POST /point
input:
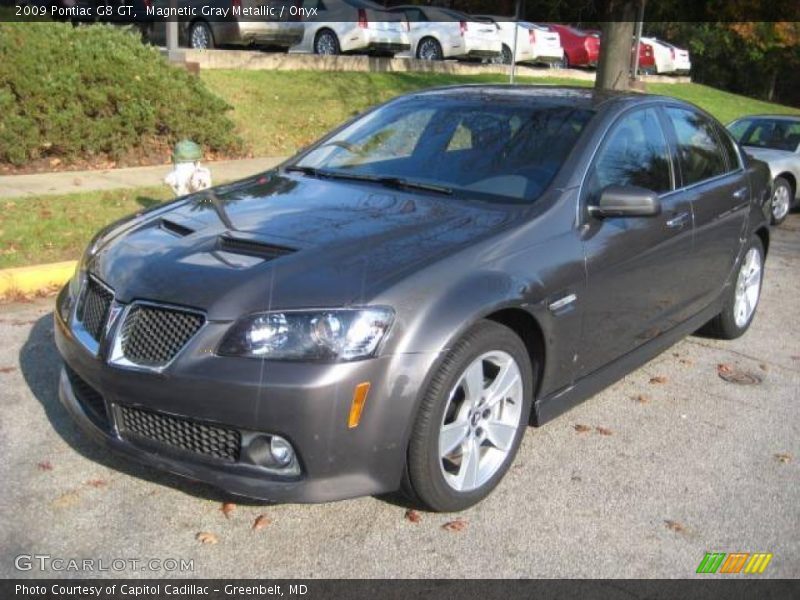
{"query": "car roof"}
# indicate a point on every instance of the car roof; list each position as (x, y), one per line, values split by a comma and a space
(582, 97)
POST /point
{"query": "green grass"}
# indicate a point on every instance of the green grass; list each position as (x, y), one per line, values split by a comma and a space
(54, 228)
(279, 112)
(276, 113)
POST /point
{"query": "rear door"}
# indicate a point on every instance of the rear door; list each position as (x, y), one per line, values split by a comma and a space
(714, 182)
(635, 265)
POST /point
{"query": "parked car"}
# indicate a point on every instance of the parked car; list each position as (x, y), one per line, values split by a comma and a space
(347, 26)
(669, 58)
(581, 48)
(439, 33)
(393, 305)
(647, 63)
(535, 43)
(775, 139)
(207, 32)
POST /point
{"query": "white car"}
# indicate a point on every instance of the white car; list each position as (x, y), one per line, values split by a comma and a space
(668, 58)
(535, 43)
(440, 33)
(345, 26)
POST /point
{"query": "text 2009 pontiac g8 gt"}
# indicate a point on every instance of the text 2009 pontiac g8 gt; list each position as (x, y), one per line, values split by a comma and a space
(391, 307)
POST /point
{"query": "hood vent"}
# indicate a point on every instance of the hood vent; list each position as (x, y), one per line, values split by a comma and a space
(252, 248)
(175, 228)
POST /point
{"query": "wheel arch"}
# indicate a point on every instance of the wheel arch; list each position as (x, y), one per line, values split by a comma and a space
(763, 234)
(429, 36)
(791, 179)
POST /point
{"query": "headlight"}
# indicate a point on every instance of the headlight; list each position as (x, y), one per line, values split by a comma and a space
(344, 334)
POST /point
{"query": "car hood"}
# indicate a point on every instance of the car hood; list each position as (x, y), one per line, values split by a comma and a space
(277, 241)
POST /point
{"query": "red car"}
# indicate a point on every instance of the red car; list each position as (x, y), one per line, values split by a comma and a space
(647, 58)
(581, 48)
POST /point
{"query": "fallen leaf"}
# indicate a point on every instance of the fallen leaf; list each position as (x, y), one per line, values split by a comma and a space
(228, 508)
(457, 525)
(261, 522)
(783, 457)
(204, 537)
(97, 482)
(686, 361)
(642, 399)
(581, 428)
(675, 526)
(603, 431)
(764, 367)
(7, 369)
(658, 379)
(723, 368)
(45, 465)
(413, 516)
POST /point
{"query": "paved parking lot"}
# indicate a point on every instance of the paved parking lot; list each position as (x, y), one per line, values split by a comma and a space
(683, 463)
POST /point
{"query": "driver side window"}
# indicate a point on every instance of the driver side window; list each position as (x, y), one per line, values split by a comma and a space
(634, 153)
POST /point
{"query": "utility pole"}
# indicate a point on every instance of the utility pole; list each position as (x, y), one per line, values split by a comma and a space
(639, 26)
(518, 10)
(172, 31)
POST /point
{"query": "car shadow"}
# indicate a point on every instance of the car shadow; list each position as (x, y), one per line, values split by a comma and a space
(40, 365)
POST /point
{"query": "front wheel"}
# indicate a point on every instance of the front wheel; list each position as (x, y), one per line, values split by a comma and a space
(781, 200)
(505, 57)
(471, 420)
(742, 298)
(327, 43)
(430, 49)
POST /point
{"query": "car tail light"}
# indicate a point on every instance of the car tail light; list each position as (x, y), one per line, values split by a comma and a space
(463, 27)
(672, 53)
(532, 36)
(362, 18)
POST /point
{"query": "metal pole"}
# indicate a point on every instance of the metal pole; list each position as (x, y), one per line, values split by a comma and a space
(172, 31)
(639, 26)
(517, 12)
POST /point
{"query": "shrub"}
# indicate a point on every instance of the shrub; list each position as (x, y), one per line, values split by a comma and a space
(98, 92)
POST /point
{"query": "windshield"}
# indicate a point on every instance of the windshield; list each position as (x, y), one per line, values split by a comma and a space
(777, 134)
(492, 148)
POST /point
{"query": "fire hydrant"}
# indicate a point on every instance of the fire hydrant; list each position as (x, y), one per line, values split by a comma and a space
(187, 176)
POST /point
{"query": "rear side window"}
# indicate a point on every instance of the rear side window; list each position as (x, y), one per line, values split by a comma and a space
(699, 153)
(634, 153)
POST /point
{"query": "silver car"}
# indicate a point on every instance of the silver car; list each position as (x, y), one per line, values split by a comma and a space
(775, 139)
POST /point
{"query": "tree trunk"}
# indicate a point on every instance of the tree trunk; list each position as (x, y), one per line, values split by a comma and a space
(613, 69)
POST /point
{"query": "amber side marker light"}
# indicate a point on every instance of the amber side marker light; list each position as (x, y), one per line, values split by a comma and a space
(357, 407)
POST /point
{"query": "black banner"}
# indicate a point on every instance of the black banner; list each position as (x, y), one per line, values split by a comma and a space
(133, 589)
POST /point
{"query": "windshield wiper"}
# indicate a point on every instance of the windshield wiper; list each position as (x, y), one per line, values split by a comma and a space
(394, 182)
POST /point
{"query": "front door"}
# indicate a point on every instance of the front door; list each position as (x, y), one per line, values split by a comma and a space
(635, 265)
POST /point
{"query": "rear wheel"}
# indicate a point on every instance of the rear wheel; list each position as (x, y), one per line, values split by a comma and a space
(505, 57)
(471, 420)
(430, 49)
(326, 43)
(200, 36)
(743, 297)
(781, 200)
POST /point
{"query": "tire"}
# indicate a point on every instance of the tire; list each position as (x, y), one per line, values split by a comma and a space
(732, 323)
(429, 49)
(451, 480)
(200, 36)
(326, 43)
(505, 57)
(781, 203)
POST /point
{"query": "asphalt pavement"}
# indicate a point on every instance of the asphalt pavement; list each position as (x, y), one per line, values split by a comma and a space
(640, 481)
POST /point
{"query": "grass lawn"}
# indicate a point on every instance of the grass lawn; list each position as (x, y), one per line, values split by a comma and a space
(55, 228)
(279, 112)
(276, 113)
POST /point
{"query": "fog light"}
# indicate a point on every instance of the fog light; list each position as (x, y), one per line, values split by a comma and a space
(281, 450)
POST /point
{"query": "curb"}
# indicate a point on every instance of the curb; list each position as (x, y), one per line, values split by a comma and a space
(30, 280)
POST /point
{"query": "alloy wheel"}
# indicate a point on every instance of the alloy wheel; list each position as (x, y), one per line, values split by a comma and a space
(326, 44)
(748, 288)
(481, 420)
(780, 202)
(429, 50)
(200, 38)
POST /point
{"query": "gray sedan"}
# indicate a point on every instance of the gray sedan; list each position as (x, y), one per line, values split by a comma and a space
(392, 307)
(775, 139)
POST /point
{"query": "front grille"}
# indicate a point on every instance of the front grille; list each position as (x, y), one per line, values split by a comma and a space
(200, 438)
(93, 308)
(152, 336)
(90, 400)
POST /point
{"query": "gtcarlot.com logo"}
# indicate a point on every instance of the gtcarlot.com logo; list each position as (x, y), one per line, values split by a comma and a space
(46, 562)
(734, 562)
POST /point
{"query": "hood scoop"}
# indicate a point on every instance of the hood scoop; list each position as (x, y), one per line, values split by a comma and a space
(251, 248)
(175, 228)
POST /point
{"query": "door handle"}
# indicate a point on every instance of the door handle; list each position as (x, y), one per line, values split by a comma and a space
(740, 194)
(678, 221)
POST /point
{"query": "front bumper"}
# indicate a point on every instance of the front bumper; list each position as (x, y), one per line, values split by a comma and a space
(307, 404)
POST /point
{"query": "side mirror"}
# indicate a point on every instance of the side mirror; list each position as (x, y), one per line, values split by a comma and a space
(626, 201)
